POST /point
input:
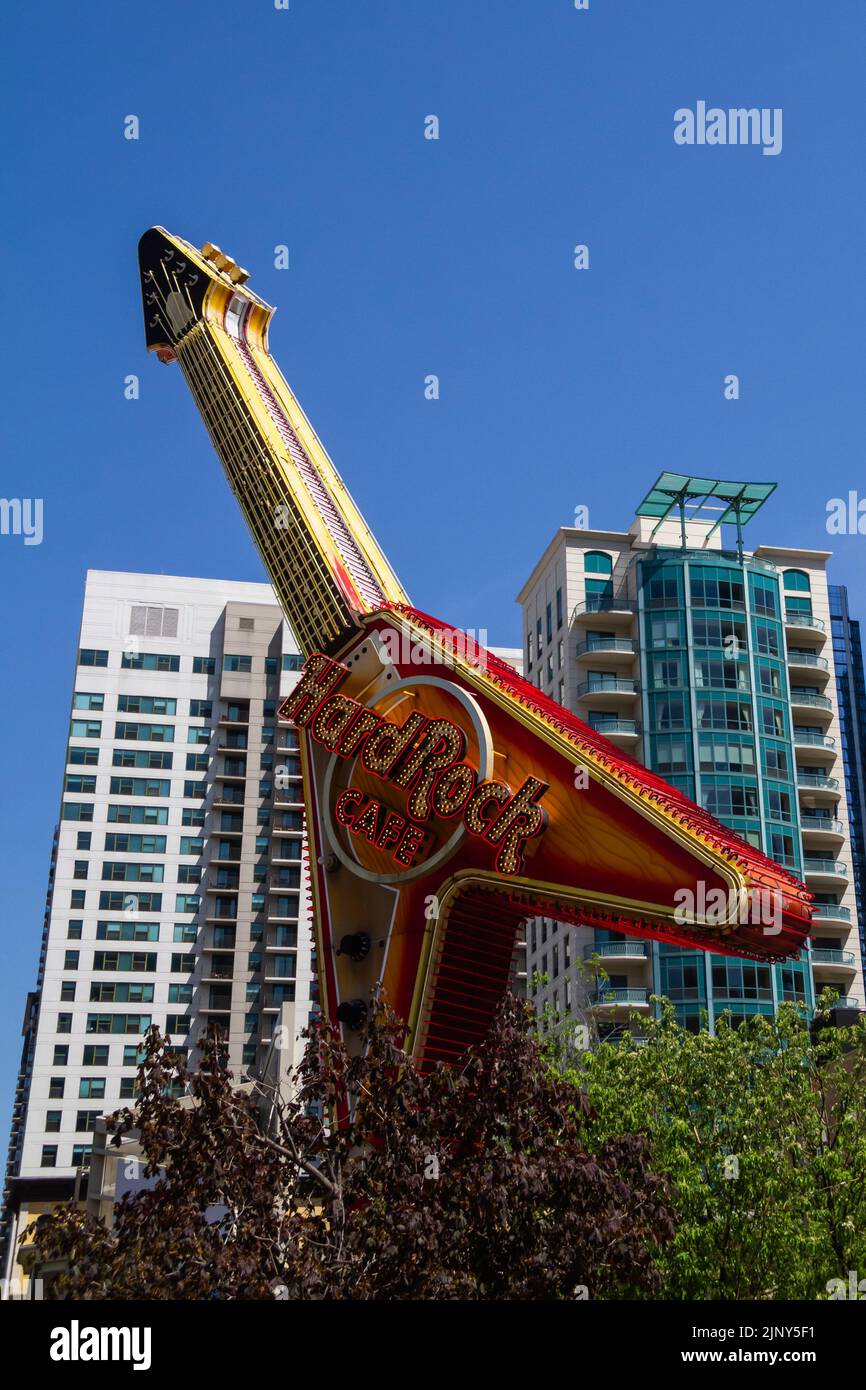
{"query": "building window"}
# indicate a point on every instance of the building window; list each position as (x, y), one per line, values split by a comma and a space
(150, 661)
(797, 581)
(61, 1054)
(89, 656)
(559, 613)
(91, 1088)
(203, 665)
(84, 700)
(56, 1087)
(152, 620)
(85, 728)
(235, 662)
(49, 1156)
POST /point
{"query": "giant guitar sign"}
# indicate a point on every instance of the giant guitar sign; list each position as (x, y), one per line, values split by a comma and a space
(447, 799)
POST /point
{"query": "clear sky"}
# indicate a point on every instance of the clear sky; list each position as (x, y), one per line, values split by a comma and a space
(411, 257)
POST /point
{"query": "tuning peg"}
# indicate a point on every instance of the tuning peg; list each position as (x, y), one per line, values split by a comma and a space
(237, 274)
(210, 251)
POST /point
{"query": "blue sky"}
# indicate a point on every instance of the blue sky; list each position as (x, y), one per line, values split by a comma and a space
(410, 257)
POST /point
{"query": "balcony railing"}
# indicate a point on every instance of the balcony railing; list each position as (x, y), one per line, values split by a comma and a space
(604, 603)
(632, 949)
(622, 645)
(825, 866)
(814, 701)
(615, 726)
(607, 687)
(610, 998)
(797, 658)
(834, 911)
(828, 823)
(793, 618)
(805, 739)
(815, 779)
(823, 955)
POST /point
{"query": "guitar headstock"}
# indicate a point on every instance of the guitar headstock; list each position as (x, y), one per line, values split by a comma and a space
(182, 285)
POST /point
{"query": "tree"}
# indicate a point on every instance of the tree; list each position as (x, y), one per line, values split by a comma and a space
(476, 1181)
(761, 1129)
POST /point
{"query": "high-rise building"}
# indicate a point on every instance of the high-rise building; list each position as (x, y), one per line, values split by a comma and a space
(851, 693)
(177, 890)
(713, 667)
(177, 893)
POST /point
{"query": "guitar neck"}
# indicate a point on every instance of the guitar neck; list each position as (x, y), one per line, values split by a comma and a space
(323, 561)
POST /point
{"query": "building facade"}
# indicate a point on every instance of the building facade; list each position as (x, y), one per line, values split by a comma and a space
(851, 693)
(177, 891)
(713, 667)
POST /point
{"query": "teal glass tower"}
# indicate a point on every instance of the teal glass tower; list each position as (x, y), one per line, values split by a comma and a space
(716, 698)
(714, 666)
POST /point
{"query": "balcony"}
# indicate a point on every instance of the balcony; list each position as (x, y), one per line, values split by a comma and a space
(223, 881)
(609, 998)
(815, 747)
(289, 796)
(810, 700)
(287, 854)
(619, 950)
(229, 797)
(295, 827)
(607, 651)
(805, 625)
(807, 661)
(827, 827)
(608, 692)
(818, 782)
(842, 961)
(605, 610)
(819, 870)
(832, 912)
(625, 732)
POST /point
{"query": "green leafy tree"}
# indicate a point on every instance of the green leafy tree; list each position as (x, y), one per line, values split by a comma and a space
(477, 1181)
(762, 1130)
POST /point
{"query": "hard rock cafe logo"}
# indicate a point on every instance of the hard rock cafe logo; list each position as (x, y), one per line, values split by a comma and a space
(423, 757)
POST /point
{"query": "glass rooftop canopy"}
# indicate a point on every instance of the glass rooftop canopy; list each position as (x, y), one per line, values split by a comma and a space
(704, 499)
